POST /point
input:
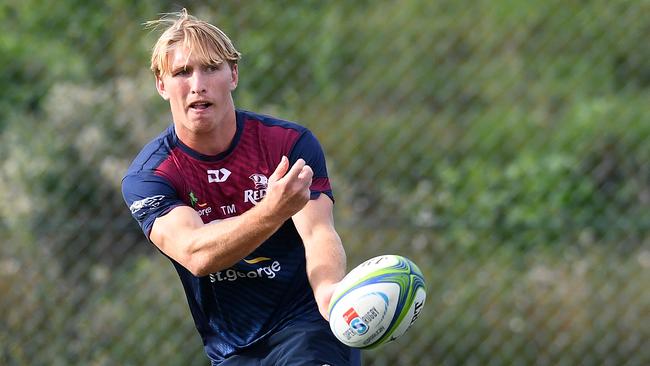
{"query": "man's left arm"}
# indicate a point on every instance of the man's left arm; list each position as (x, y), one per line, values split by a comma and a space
(324, 253)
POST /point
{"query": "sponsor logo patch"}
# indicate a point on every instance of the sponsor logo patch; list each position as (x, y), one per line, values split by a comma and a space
(218, 176)
(232, 274)
(141, 207)
(200, 208)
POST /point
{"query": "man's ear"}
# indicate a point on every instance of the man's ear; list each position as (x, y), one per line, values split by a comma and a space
(234, 74)
(160, 86)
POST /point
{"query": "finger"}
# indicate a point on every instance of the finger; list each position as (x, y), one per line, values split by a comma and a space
(295, 169)
(280, 170)
(306, 173)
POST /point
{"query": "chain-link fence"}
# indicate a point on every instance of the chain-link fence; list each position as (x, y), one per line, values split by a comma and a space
(502, 145)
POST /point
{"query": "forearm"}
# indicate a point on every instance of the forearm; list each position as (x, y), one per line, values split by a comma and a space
(326, 265)
(324, 253)
(207, 248)
(219, 245)
(325, 260)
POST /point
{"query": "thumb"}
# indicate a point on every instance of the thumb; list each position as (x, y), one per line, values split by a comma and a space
(280, 170)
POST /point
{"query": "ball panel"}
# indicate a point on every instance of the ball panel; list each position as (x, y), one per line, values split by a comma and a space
(410, 316)
(410, 304)
(371, 269)
(368, 269)
(364, 314)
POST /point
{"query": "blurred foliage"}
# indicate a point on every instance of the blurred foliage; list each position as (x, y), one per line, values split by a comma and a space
(504, 146)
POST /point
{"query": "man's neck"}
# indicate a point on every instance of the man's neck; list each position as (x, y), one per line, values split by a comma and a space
(212, 142)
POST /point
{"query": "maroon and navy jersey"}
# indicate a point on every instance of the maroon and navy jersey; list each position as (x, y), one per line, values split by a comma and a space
(265, 291)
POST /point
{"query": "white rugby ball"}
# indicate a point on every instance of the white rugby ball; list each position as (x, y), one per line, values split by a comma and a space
(377, 301)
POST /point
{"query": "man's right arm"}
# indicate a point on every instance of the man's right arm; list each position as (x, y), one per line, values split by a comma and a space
(207, 248)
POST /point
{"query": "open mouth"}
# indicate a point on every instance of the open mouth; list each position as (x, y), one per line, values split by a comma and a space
(199, 106)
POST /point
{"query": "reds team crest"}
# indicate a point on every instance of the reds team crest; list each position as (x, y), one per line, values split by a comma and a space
(260, 180)
(255, 195)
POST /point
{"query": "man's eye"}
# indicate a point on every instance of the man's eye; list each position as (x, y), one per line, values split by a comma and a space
(213, 68)
(182, 72)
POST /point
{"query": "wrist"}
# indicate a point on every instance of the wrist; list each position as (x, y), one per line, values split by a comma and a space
(267, 216)
(323, 296)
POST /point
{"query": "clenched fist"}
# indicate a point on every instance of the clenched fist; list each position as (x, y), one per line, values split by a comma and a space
(288, 189)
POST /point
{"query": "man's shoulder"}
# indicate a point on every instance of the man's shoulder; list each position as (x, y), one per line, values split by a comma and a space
(153, 153)
(266, 120)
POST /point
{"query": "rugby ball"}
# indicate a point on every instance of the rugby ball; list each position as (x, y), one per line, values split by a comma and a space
(377, 301)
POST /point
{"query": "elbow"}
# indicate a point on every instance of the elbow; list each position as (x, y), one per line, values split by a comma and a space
(197, 264)
(203, 265)
(201, 260)
(187, 248)
(200, 271)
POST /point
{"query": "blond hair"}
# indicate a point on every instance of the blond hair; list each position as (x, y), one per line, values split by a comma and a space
(209, 43)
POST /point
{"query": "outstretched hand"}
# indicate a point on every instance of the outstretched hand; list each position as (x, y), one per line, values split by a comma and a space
(288, 189)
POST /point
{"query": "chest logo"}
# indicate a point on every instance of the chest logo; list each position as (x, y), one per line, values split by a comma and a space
(194, 201)
(200, 208)
(218, 176)
(260, 180)
(255, 195)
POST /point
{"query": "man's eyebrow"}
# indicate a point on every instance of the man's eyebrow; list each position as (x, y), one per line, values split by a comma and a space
(179, 68)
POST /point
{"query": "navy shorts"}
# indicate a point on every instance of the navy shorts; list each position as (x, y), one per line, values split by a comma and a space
(301, 343)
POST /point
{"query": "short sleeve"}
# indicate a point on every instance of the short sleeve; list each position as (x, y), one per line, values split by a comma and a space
(148, 196)
(308, 148)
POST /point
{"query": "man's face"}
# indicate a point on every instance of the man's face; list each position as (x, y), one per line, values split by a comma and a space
(199, 95)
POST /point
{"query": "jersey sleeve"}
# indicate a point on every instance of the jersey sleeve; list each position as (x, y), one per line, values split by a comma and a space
(308, 148)
(148, 196)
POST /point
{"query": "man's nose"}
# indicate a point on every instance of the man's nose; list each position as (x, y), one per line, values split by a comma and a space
(197, 82)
